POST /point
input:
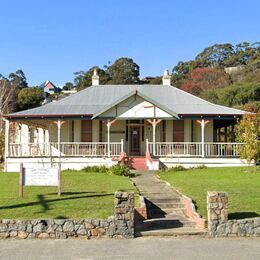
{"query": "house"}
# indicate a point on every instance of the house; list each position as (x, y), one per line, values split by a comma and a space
(161, 125)
(49, 87)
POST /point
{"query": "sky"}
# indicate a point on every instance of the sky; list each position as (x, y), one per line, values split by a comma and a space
(50, 40)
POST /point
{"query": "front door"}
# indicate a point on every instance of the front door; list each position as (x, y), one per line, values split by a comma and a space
(134, 140)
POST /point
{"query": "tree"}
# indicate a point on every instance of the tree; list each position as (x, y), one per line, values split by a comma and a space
(84, 79)
(7, 105)
(123, 71)
(248, 132)
(7, 97)
(239, 93)
(205, 78)
(30, 98)
(18, 79)
(216, 54)
(180, 73)
(68, 86)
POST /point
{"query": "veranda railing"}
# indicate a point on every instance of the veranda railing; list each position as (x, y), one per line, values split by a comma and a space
(91, 149)
(194, 149)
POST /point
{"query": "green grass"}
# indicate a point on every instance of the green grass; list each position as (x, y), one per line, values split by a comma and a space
(84, 195)
(241, 183)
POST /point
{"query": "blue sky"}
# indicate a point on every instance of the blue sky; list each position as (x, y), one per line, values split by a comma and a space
(49, 40)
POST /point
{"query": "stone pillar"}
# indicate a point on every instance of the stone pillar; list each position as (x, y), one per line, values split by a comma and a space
(124, 214)
(217, 205)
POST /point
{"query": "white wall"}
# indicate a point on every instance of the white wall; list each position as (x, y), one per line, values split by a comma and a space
(95, 130)
(208, 132)
(117, 132)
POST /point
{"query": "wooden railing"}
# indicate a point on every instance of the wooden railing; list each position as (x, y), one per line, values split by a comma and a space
(222, 149)
(194, 149)
(93, 149)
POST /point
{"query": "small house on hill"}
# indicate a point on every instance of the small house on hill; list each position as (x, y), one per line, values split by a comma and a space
(154, 125)
(49, 87)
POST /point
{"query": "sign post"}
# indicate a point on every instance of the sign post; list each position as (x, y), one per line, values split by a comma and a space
(39, 177)
(21, 181)
(59, 174)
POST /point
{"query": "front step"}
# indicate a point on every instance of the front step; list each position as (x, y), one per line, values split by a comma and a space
(174, 232)
(137, 163)
(161, 223)
(163, 200)
(166, 211)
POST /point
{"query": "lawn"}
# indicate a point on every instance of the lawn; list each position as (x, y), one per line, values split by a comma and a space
(241, 183)
(84, 195)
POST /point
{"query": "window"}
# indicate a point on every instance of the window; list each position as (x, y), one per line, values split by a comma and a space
(142, 130)
(86, 131)
(126, 131)
(72, 130)
(178, 131)
(100, 131)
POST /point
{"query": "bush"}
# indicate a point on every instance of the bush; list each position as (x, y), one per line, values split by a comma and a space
(95, 168)
(179, 168)
(119, 169)
(203, 166)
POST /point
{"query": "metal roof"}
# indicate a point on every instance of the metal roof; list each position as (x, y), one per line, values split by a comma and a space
(93, 100)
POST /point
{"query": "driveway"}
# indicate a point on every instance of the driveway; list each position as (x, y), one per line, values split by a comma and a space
(140, 248)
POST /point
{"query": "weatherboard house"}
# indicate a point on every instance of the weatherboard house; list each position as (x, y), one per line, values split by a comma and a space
(147, 126)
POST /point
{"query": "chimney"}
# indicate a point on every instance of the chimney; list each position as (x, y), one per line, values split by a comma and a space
(166, 80)
(95, 78)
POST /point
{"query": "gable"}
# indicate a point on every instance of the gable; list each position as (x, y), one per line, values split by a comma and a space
(135, 107)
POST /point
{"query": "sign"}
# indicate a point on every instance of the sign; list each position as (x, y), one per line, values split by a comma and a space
(39, 177)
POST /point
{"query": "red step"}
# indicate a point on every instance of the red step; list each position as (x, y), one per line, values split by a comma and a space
(137, 163)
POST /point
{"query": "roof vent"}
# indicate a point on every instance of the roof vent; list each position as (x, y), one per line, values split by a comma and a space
(166, 80)
(95, 78)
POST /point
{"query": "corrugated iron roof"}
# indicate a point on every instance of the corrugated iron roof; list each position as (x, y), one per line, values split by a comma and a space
(95, 99)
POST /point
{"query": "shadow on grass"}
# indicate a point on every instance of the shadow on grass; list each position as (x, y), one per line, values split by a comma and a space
(73, 193)
(61, 217)
(44, 203)
(242, 215)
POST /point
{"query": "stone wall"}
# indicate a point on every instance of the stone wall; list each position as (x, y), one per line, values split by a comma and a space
(120, 225)
(218, 223)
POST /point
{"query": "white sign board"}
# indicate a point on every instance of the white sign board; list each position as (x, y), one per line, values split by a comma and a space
(41, 177)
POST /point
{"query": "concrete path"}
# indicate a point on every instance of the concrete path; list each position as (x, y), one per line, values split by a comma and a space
(140, 248)
(166, 213)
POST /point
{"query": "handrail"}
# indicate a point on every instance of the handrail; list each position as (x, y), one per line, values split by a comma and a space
(85, 149)
(194, 149)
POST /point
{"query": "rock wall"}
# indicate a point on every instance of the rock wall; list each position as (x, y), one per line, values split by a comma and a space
(218, 223)
(121, 225)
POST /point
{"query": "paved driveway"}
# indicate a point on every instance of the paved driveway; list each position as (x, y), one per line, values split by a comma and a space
(140, 248)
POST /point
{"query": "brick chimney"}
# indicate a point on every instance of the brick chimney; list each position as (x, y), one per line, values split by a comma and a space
(166, 80)
(95, 78)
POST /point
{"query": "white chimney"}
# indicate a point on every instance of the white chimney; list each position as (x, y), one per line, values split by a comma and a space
(95, 78)
(166, 80)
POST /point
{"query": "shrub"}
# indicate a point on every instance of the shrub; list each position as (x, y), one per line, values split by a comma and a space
(203, 166)
(178, 168)
(248, 132)
(95, 168)
(119, 169)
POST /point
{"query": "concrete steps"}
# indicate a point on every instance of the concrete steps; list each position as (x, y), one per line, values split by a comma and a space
(165, 211)
(173, 232)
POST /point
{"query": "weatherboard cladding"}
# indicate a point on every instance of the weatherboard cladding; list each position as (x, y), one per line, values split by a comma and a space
(95, 99)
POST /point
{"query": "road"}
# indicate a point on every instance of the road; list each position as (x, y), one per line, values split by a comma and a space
(140, 248)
